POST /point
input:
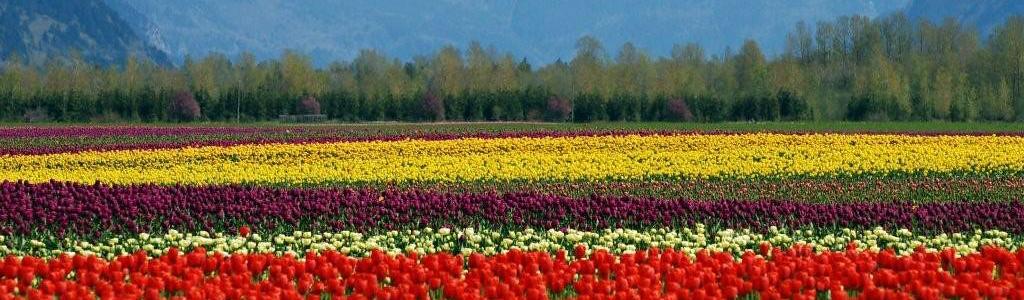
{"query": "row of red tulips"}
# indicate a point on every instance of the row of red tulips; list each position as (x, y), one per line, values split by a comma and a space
(797, 273)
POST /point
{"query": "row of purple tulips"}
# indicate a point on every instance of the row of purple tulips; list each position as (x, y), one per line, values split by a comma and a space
(92, 210)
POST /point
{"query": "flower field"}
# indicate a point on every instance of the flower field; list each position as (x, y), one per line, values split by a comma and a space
(517, 211)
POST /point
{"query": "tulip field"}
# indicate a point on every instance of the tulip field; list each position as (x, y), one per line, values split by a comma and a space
(509, 211)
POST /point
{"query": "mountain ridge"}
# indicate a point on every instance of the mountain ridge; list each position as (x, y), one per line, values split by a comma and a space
(542, 31)
(108, 31)
(37, 31)
(983, 15)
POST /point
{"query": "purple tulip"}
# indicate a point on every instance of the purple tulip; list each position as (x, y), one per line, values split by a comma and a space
(90, 210)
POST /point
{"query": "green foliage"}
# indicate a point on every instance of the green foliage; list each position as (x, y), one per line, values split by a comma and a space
(853, 68)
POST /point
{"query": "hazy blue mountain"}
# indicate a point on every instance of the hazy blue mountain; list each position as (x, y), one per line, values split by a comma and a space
(106, 31)
(146, 29)
(36, 30)
(541, 30)
(984, 15)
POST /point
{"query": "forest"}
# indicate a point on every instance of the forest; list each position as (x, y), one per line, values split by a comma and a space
(855, 68)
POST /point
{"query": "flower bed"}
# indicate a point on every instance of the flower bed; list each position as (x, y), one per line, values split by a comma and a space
(649, 274)
(288, 212)
(597, 158)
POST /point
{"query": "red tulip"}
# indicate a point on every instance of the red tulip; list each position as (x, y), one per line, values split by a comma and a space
(796, 273)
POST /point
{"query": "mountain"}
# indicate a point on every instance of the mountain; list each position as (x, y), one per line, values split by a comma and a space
(983, 15)
(141, 24)
(541, 30)
(107, 31)
(37, 30)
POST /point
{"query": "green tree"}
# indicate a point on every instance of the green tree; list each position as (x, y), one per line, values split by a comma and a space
(751, 70)
(588, 67)
(447, 71)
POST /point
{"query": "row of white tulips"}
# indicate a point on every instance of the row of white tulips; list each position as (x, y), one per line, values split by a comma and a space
(488, 241)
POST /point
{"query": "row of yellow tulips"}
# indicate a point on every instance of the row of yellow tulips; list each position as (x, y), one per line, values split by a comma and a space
(563, 158)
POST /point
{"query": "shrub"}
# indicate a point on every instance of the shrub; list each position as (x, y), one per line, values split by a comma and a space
(433, 106)
(559, 109)
(106, 117)
(184, 107)
(308, 106)
(708, 108)
(679, 110)
(38, 114)
(866, 109)
(791, 106)
(589, 108)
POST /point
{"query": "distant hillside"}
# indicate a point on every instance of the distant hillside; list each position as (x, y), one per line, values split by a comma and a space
(983, 14)
(140, 23)
(107, 31)
(541, 30)
(36, 30)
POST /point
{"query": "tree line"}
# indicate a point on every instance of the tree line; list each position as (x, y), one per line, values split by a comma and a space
(850, 68)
